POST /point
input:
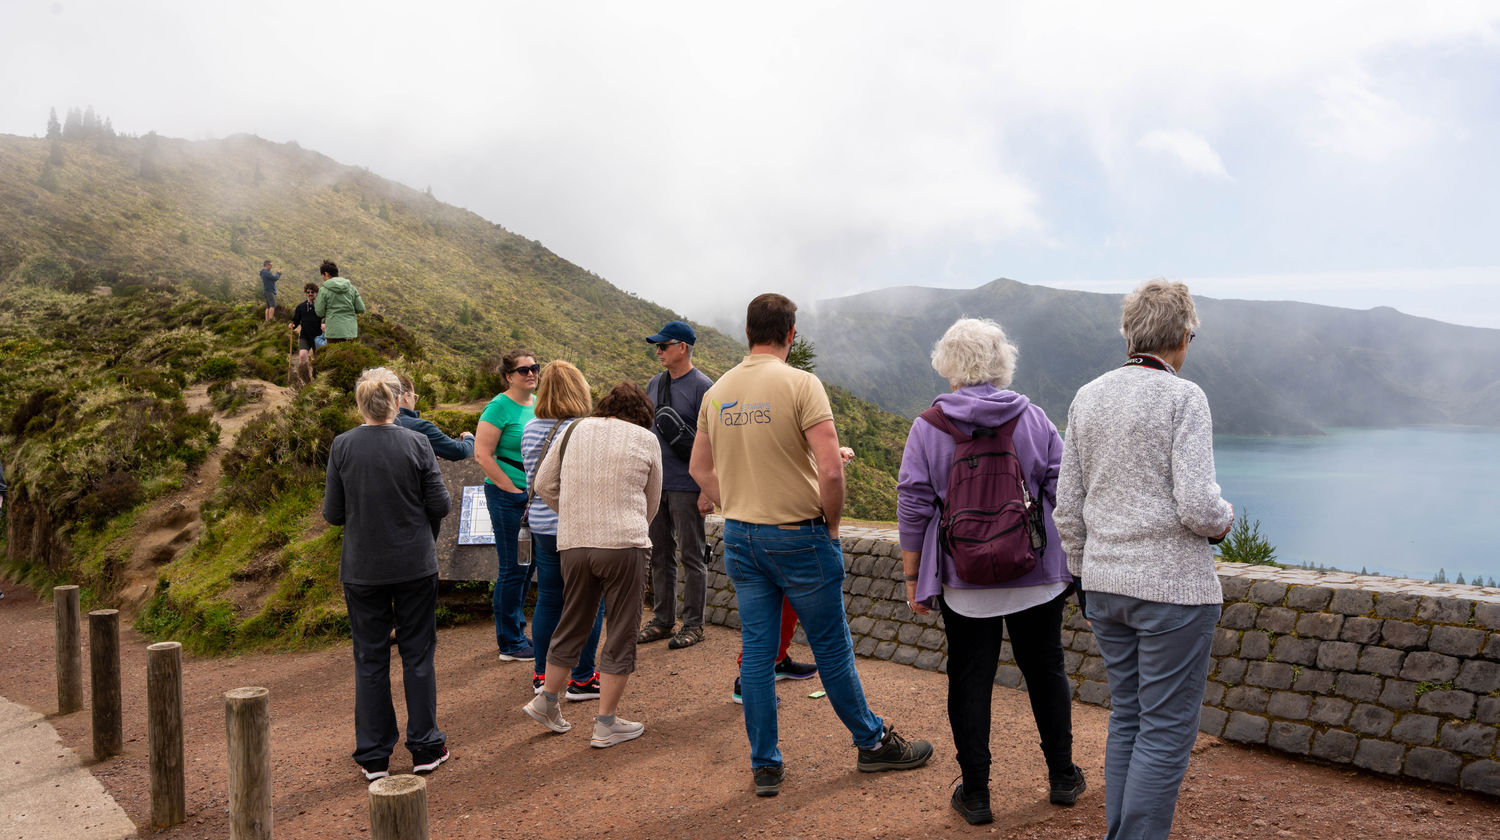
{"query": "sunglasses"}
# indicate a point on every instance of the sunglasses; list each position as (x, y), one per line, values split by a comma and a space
(531, 369)
(665, 344)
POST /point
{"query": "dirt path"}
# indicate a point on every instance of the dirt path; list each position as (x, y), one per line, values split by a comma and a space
(172, 524)
(688, 777)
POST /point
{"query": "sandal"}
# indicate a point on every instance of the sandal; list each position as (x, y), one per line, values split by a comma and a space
(652, 632)
(687, 637)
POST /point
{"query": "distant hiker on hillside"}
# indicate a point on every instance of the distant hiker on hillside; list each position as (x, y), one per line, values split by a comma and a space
(978, 361)
(1138, 505)
(338, 302)
(442, 446)
(268, 280)
(384, 487)
(677, 393)
(306, 317)
(767, 452)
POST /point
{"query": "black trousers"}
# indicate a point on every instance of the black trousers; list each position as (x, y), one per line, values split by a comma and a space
(974, 656)
(373, 610)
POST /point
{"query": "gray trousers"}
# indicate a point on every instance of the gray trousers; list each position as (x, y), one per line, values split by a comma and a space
(373, 610)
(678, 525)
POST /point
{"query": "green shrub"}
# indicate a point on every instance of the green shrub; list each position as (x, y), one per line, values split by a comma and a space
(218, 369)
(116, 492)
(341, 364)
(1246, 544)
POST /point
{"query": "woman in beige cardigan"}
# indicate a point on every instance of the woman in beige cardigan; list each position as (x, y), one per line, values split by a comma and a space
(604, 481)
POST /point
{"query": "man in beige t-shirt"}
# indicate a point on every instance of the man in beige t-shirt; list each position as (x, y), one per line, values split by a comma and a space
(768, 454)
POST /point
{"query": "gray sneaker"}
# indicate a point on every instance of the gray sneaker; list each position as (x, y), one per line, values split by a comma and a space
(619, 732)
(548, 716)
(894, 753)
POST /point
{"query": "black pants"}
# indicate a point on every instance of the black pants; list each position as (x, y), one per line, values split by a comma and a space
(372, 609)
(974, 656)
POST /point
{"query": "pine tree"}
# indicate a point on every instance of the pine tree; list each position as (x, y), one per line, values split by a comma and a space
(54, 128)
(1246, 544)
(1460, 580)
(1441, 576)
(73, 125)
(802, 354)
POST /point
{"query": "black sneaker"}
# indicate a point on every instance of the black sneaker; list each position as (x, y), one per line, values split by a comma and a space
(376, 769)
(426, 761)
(1066, 787)
(973, 807)
(583, 691)
(768, 780)
(537, 681)
(894, 753)
(786, 669)
(738, 698)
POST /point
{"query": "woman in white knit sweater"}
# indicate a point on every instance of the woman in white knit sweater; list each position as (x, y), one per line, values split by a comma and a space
(604, 481)
(1137, 506)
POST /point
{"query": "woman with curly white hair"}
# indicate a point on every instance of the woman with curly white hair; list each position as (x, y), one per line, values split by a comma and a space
(978, 362)
(1137, 508)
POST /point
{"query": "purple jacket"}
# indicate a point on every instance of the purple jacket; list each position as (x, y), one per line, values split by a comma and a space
(924, 480)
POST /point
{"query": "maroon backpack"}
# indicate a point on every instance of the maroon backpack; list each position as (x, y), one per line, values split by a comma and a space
(990, 525)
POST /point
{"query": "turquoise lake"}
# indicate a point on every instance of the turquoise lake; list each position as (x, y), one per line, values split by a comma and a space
(1402, 502)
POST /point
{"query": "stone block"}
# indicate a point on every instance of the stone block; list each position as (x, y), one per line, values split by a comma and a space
(1396, 605)
(1471, 738)
(1456, 641)
(1246, 728)
(1331, 711)
(1237, 587)
(1335, 745)
(1369, 719)
(1255, 645)
(1492, 647)
(928, 660)
(1211, 721)
(907, 634)
(1357, 686)
(1458, 704)
(1239, 616)
(1277, 619)
(1488, 710)
(862, 565)
(1289, 705)
(1006, 653)
(1487, 616)
(1226, 642)
(1072, 659)
(1320, 625)
(1415, 729)
(1399, 695)
(886, 589)
(1404, 635)
(1379, 756)
(905, 655)
(1267, 592)
(721, 598)
(1269, 674)
(863, 546)
(1295, 651)
(1479, 676)
(1481, 777)
(884, 650)
(1247, 698)
(1382, 660)
(1313, 681)
(716, 615)
(1426, 666)
(1294, 738)
(1338, 656)
(1213, 693)
(1432, 765)
(857, 585)
(1086, 643)
(1360, 630)
(1440, 610)
(1093, 669)
(865, 647)
(885, 630)
(861, 626)
(882, 609)
(1093, 692)
(858, 605)
(1231, 671)
(1352, 602)
(931, 639)
(1076, 621)
(1308, 598)
(1008, 676)
(732, 619)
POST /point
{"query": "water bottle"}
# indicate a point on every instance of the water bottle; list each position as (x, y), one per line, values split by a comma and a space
(523, 545)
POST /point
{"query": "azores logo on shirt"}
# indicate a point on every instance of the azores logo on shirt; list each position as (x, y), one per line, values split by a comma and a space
(733, 413)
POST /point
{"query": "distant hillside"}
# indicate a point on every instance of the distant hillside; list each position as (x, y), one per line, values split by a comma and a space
(1267, 367)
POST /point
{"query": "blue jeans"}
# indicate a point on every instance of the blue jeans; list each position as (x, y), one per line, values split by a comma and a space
(509, 597)
(771, 562)
(549, 604)
(1157, 658)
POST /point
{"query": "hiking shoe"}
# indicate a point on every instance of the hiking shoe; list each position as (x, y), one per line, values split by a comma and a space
(619, 732)
(686, 637)
(736, 697)
(524, 653)
(768, 780)
(894, 753)
(551, 718)
(786, 669)
(652, 632)
(974, 806)
(537, 682)
(426, 761)
(376, 769)
(578, 691)
(1066, 787)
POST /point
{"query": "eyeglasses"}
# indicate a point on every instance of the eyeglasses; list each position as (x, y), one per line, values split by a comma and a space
(665, 344)
(525, 369)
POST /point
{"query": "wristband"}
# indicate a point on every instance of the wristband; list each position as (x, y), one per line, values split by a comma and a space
(911, 578)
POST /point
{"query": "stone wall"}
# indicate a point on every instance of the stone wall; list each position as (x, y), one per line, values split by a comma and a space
(1386, 675)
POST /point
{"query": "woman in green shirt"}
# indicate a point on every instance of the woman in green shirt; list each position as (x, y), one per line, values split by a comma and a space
(497, 449)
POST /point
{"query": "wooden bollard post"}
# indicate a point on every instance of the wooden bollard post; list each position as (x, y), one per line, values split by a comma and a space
(104, 681)
(164, 733)
(398, 808)
(247, 726)
(69, 649)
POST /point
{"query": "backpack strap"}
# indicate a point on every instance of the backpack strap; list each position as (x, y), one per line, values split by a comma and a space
(936, 417)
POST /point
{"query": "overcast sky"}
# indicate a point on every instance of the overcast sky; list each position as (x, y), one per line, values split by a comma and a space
(699, 153)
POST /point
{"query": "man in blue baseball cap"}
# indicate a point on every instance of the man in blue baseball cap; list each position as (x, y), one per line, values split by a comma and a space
(678, 393)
